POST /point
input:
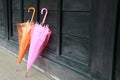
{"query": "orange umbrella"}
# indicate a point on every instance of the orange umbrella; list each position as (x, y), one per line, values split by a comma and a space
(24, 32)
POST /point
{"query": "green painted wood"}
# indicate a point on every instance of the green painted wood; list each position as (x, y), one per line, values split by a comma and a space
(2, 19)
(75, 34)
(103, 38)
(16, 4)
(1, 4)
(77, 5)
(76, 23)
(49, 4)
(117, 56)
(116, 64)
(2, 26)
(29, 3)
(16, 17)
(76, 48)
(77, 67)
(117, 75)
(83, 34)
(26, 5)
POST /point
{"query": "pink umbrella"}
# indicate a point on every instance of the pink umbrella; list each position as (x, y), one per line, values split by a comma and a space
(40, 36)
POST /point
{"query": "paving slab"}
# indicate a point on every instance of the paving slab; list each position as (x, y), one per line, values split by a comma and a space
(8, 66)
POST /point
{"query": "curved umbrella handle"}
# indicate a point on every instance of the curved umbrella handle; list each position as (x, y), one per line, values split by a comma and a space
(43, 21)
(32, 8)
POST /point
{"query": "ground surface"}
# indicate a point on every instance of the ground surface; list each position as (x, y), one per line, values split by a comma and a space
(8, 66)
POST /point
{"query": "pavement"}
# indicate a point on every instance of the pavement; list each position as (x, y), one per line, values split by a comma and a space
(8, 67)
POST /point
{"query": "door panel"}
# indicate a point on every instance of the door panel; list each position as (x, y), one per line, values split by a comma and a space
(103, 38)
(29, 3)
(49, 4)
(75, 34)
(15, 17)
(76, 48)
(2, 20)
(76, 5)
(76, 23)
(26, 5)
(117, 55)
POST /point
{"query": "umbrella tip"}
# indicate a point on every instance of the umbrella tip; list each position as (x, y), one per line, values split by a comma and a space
(17, 69)
(26, 73)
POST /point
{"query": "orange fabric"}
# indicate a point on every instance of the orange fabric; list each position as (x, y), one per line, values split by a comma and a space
(19, 27)
(24, 32)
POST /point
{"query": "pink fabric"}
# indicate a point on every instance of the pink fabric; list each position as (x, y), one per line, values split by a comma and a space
(39, 39)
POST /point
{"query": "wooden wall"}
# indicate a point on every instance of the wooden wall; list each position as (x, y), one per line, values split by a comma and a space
(82, 44)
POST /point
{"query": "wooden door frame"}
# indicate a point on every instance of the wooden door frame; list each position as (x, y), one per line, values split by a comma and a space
(116, 57)
(103, 38)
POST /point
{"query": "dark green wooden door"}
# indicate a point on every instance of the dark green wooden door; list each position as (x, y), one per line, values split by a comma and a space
(2, 20)
(117, 53)
(82, 41)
